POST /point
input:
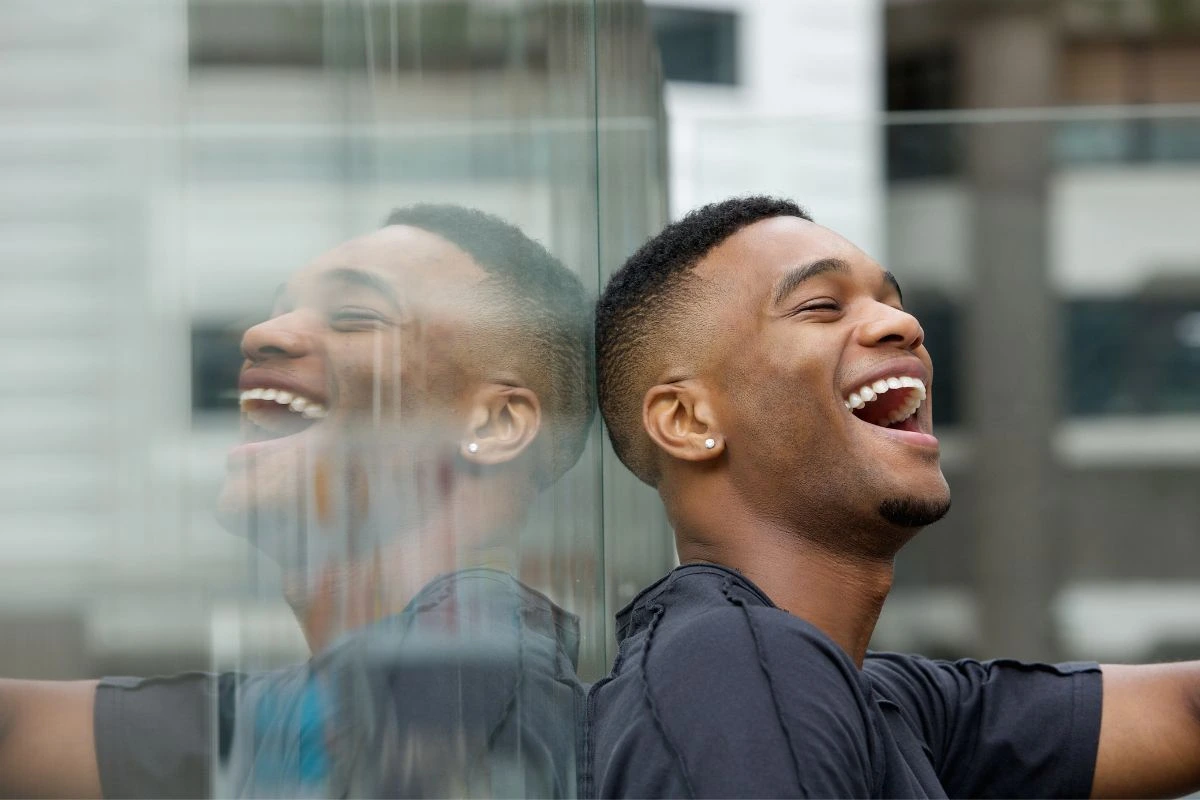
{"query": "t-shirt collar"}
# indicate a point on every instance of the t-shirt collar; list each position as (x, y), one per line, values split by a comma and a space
(631, 618)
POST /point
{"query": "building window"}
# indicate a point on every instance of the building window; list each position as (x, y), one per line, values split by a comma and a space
(941, 319)
(264, 34)
(925, 81)
(447, 36)
(697, 46)
(1138, 355)
(216, 363)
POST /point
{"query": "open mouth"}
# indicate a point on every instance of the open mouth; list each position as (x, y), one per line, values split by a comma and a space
(276, 413)
(889, 402)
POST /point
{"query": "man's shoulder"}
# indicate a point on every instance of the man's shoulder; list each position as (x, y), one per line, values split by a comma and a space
(699, 684)
(707, 621)
(737, 630)
(705, 645)
(725, 654)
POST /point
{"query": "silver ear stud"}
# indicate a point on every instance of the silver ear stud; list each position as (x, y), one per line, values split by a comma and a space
(710, 443)
(473, 447)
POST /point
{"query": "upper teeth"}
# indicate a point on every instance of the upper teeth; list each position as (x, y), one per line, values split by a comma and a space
(868, 392)
(294, 402)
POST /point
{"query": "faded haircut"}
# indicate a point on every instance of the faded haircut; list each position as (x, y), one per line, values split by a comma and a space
(645, 300)
(549, 314)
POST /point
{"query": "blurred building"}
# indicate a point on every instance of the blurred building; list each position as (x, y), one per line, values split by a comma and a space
(1027, 168)
(776, 97)
(165, 166)
(1043, 161)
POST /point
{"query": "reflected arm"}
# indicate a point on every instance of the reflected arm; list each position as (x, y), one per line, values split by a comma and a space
(1149, 731)
(47, 743)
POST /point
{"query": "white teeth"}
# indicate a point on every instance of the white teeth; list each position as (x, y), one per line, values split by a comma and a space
(293, 401)
(869, 392)
(905, 411)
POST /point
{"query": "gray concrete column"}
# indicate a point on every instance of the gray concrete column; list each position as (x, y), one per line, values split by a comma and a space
(1008, 54)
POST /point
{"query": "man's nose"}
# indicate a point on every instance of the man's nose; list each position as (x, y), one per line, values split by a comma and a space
(889, 325)
(284, 336)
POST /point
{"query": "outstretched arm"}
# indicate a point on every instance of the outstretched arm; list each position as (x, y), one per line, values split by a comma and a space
(47, 744)
(1149, 731)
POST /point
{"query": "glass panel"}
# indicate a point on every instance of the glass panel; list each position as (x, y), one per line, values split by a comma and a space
(311, 434)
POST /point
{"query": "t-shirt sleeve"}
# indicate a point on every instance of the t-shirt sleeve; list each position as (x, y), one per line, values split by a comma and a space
(746, 702)
(156, 737)
(1000, 728)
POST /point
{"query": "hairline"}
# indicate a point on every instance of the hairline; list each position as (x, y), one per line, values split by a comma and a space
(685, 271)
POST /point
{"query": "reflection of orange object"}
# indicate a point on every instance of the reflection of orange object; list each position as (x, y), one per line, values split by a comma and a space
(321, 497)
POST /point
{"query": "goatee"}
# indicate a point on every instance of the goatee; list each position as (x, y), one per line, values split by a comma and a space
(911, 512)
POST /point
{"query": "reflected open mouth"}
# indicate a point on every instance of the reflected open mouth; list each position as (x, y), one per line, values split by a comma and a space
(276, 413)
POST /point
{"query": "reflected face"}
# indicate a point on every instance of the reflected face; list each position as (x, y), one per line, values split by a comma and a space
(824, 380)
(352, 393)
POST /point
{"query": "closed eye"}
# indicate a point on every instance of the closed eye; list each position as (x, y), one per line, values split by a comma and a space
(823, 304)
(352, 317)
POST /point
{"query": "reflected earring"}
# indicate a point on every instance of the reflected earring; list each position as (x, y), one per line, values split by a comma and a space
(473, 448)
(710, 443)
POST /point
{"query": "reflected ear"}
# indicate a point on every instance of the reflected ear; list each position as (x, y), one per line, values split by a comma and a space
(679, 418)
(502, 423)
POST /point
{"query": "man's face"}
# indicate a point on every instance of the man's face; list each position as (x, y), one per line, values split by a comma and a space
(353, 395)
(819, 371)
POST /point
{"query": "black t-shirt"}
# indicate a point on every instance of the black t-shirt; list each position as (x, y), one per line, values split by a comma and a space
(471, 692)
(716, 692)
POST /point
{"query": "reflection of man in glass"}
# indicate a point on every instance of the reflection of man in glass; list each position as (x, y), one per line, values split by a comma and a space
(760, 371)
(410, 395)
(412, 392)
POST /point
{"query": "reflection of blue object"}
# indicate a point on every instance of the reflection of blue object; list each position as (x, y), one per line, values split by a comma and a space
(284, 714)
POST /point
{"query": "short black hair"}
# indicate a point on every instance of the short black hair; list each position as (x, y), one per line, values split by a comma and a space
(645, 300)
(552, 314)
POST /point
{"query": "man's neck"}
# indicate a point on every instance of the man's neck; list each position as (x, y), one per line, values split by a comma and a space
(345, 596)
(841, 594)
(842, 600)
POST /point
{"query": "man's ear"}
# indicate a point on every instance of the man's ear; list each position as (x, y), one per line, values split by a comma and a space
(679, 418)
(502, 422)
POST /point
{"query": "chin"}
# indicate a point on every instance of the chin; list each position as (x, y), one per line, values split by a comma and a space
(271, 519)
(915, 511)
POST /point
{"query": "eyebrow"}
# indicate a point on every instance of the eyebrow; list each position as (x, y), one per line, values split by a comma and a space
(797, 276)
(890, 280)
(367, 280)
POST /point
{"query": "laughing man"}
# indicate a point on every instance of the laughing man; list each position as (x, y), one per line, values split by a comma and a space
(761, 373)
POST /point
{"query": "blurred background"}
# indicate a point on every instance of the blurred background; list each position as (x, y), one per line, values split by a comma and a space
(1029, 169)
